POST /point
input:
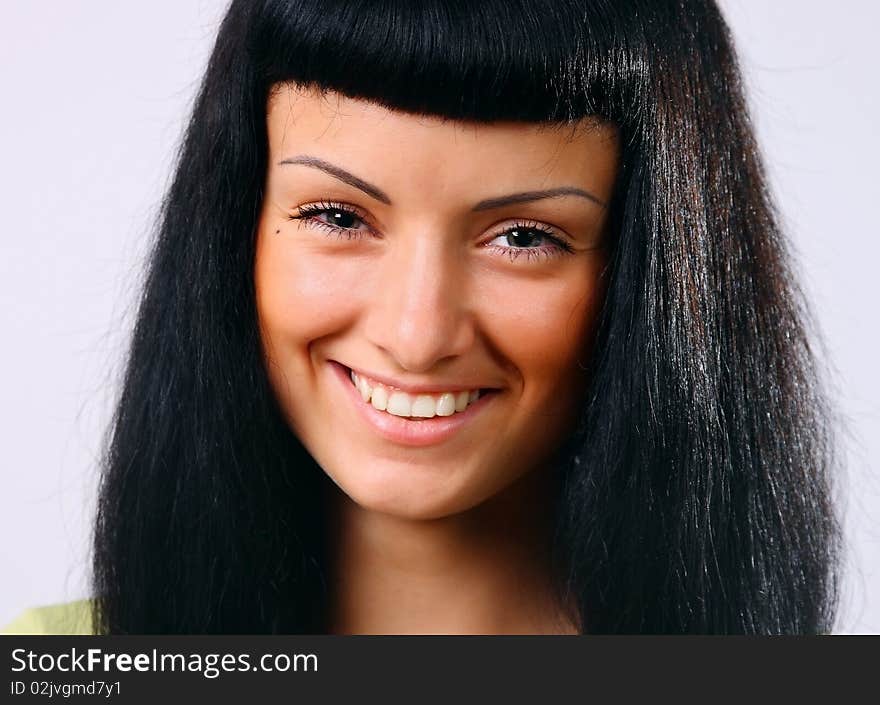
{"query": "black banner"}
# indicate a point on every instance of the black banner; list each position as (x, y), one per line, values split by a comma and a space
(430, 669)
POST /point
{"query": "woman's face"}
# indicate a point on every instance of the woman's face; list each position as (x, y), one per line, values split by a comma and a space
(440, 261)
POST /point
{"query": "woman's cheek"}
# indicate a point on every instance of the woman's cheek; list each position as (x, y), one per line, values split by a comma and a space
(545, 329)
(305, 295)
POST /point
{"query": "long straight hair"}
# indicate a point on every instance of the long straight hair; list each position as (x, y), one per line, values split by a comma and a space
(695, 491)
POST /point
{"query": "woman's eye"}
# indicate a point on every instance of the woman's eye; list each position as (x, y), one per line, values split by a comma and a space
(340, 218)
(334, 218)
(532, 241)
(521, 237)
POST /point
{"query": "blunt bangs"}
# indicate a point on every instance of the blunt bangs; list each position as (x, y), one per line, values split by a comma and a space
(467, 60)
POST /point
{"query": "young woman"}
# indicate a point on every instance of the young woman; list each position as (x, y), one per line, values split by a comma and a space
(468, 318)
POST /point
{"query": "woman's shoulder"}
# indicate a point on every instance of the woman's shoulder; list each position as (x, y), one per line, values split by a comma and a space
(65, 618)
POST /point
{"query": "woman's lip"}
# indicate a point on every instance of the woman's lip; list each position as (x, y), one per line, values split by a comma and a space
(416, 388)
(404, 431)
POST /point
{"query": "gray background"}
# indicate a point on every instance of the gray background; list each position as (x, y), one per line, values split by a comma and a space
(95, 95)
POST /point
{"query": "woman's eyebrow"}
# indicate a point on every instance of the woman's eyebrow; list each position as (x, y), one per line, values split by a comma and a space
(339, 173)
(537, 196)
(487, 204)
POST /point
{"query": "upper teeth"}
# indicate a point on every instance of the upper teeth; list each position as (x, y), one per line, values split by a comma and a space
(399, 403)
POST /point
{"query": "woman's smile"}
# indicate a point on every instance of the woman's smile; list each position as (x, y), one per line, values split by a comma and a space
(427, 293)
(411, 419)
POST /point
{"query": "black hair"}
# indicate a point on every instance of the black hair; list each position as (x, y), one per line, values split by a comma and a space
(695, 491)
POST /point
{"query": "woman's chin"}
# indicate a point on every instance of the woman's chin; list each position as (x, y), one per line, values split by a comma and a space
(401, 493)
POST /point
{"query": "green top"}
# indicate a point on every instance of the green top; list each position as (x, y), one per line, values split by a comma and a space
(67, 618)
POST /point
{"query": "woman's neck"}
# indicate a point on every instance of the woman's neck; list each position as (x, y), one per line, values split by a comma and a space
(484, 571)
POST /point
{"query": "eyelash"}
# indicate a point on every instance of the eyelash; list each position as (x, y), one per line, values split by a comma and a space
(308, 215)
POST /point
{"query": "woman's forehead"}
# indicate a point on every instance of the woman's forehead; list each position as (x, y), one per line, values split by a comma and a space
(332, 126)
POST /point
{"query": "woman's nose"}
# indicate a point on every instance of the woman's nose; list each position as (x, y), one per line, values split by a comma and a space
(420, 313)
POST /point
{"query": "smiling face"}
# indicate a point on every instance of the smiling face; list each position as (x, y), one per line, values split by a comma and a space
(455, 268)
